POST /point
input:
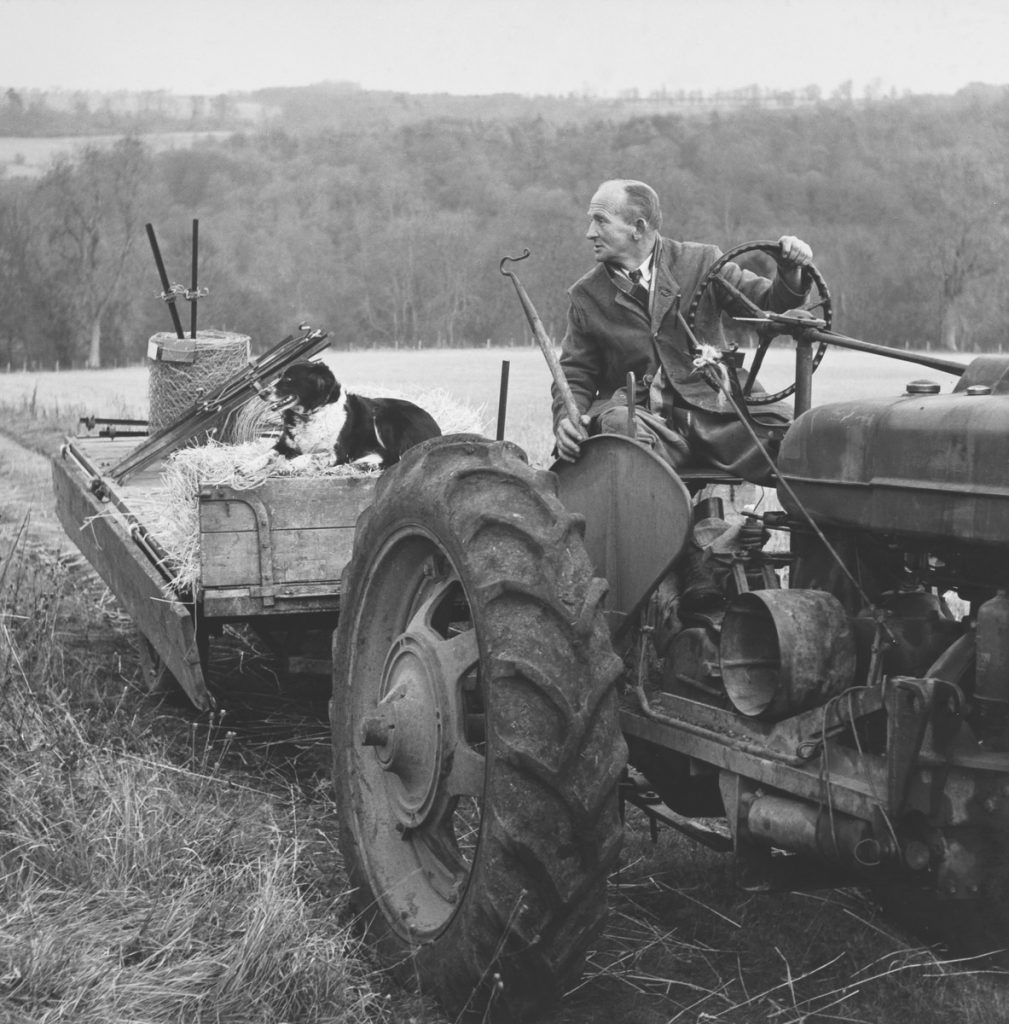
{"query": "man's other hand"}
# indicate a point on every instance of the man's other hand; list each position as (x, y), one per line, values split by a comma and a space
(795, 252)
(569, 438)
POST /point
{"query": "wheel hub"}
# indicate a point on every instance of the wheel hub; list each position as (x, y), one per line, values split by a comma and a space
(406, 727)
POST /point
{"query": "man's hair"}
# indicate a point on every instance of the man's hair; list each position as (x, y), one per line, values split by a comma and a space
(642, 201)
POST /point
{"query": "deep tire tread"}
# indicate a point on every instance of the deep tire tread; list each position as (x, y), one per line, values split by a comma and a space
(531, 907)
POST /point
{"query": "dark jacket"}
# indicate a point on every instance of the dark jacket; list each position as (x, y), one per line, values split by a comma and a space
(610, 334)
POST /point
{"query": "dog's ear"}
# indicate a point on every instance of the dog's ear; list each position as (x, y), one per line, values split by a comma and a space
(326, 382)
(293, 372)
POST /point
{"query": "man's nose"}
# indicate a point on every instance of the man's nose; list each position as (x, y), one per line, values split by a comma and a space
(592, 232)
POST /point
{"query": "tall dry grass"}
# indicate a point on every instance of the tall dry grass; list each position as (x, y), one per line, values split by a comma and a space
(146, 873)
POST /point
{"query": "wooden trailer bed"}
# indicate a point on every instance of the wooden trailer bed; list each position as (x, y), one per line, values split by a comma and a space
(276, 550)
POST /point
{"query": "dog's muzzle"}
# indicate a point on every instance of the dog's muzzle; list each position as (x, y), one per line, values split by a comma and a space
(281, 401)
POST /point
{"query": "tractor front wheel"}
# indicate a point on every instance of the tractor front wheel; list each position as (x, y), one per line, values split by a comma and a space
(476, 744)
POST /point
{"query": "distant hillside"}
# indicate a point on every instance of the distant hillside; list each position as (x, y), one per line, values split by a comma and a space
(340, 106)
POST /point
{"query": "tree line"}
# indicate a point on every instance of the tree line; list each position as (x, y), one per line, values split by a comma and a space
(392, 235)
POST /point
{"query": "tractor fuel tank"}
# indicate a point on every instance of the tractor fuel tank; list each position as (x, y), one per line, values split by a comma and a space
(920, 465)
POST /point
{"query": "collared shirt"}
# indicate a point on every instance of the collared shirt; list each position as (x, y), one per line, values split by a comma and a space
(644, 277)
(646, 272)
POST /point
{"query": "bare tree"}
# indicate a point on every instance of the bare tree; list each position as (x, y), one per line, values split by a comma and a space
(15, 275)
(969, 233)
(92, 211)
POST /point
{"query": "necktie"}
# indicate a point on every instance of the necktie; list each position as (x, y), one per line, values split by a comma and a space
(639, 292)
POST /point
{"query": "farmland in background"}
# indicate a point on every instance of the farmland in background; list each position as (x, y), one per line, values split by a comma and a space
(31, 156)
(471, 376)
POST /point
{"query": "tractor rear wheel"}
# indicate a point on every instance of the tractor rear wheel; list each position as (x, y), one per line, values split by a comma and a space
(476, 743)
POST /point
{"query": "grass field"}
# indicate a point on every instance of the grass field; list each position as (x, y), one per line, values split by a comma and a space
(158, 865)
(472, 376)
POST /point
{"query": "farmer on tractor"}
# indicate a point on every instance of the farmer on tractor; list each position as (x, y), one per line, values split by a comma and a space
(624, 317)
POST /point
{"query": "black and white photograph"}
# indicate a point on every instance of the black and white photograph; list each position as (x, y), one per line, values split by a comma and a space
(504, 512)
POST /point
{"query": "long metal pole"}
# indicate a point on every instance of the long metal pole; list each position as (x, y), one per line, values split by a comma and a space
(843, 341)
(803, 375)
(545, 344)
(502, 401)
(166, 288)
(194, 291)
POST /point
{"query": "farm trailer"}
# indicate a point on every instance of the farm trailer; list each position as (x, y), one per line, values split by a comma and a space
(270, 556)
(508, 642)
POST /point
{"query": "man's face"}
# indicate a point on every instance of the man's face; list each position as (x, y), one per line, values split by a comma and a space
(612, 237)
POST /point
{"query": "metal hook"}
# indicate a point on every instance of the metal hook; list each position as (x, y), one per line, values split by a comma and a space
(542, 340)
(511, 259)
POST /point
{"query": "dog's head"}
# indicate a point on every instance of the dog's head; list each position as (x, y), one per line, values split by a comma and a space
(306, 385)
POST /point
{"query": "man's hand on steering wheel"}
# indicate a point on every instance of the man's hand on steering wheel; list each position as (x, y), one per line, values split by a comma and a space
(795, 254)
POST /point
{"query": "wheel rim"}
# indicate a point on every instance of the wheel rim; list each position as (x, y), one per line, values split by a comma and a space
(418, 766)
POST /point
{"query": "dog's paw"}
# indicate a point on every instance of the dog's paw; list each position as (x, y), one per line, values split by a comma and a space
(302, 463)
(259, 464)
(372, 462)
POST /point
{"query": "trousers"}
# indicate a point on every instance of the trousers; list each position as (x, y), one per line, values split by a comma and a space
(696, 438)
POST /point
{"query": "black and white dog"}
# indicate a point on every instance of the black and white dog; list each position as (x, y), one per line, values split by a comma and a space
(319, 416)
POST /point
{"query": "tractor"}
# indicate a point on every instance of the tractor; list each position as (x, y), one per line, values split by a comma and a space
(509, 667)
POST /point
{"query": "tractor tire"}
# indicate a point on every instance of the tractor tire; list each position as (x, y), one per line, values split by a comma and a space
(477, 749)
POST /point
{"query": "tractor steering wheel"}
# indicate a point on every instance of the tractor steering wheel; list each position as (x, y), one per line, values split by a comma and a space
(768, 325)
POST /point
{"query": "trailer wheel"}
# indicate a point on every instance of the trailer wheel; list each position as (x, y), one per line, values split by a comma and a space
(476, 744)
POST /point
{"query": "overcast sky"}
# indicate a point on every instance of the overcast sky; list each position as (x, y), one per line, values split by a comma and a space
(485, 46)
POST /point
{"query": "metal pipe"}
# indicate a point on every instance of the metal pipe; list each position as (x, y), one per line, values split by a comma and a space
(194, 290)
(843, 341)
(141, 536)
(803, 375)
(166, 288)
(806, 828)
(502, 400)
(785, 651)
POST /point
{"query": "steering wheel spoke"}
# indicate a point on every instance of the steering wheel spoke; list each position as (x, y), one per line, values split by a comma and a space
(766, 326)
